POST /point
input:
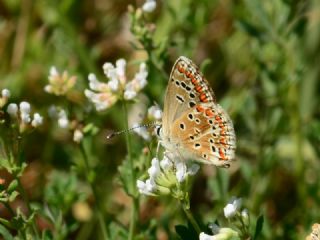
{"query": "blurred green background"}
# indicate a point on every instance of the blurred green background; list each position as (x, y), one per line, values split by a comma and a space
(262, 60)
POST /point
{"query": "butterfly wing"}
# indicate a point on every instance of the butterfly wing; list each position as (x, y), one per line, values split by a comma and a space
(193, 119)
(185, 89)
(211, 139)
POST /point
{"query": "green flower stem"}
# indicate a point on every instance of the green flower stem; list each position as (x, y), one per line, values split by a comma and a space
(134, 196)
(26, 200)
(16, 157)
(190, 217)
(98, 207)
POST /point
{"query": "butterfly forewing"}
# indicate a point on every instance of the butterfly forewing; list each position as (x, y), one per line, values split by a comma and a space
(185, 89)
(193, 123)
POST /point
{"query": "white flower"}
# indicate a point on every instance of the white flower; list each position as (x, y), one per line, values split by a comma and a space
(181, 172)
(5, 93)
(149, 6)
(104, 95)
(164, 177)
(245, 216)
(12, 109)
(37, 120)
(147, 188)
(154, 170)
(63, 120)
(59, 83)
(154, 112)
(25, 109)
(77, 136)
(166, 163)
(232, 207)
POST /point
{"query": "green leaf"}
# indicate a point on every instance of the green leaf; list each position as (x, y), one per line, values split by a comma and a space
(13, 186)
(5, 233)
(186, 232)
(259, 226)
(13, 196)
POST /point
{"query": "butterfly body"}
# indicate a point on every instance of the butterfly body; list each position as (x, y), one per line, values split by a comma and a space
(194, 126)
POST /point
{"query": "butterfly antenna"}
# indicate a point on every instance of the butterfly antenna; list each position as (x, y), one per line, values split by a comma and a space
(113, 134)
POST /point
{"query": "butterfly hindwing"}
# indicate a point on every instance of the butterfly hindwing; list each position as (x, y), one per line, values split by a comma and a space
(207, 132)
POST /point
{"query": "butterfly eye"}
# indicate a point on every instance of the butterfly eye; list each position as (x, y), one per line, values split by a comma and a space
(159, 131)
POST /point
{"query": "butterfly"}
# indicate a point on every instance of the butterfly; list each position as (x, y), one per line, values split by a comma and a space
(194, 126)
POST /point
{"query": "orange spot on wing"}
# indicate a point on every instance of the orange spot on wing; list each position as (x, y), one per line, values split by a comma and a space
(199, 109)
(198, 89)
(193, 80)
(221, 154)
(209, 113)
(223, 141)
(218, 118)
(203, 97)
(188, 74)
(181, 69)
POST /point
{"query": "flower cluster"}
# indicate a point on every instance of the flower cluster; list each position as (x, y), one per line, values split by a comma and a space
(60, 115)
(104, 95)
(21, 113)
(237, 216)
(164, 177)
(59, 83)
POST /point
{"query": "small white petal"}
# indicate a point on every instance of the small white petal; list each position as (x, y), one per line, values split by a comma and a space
(181, 171)
(114, 84)
(229, 210)
(5, 93)
(153, 172)
(25, 117)
(37, 120)
(12, 109)
(204, 236)
(77, 136)
(155, 112)
(63, 122)
(121, 67)
(149, 6)
(166, 163)
(48, 88)
(150, 185)
(25, 107)
(53, 71)
(129, 94)
(107, 67)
